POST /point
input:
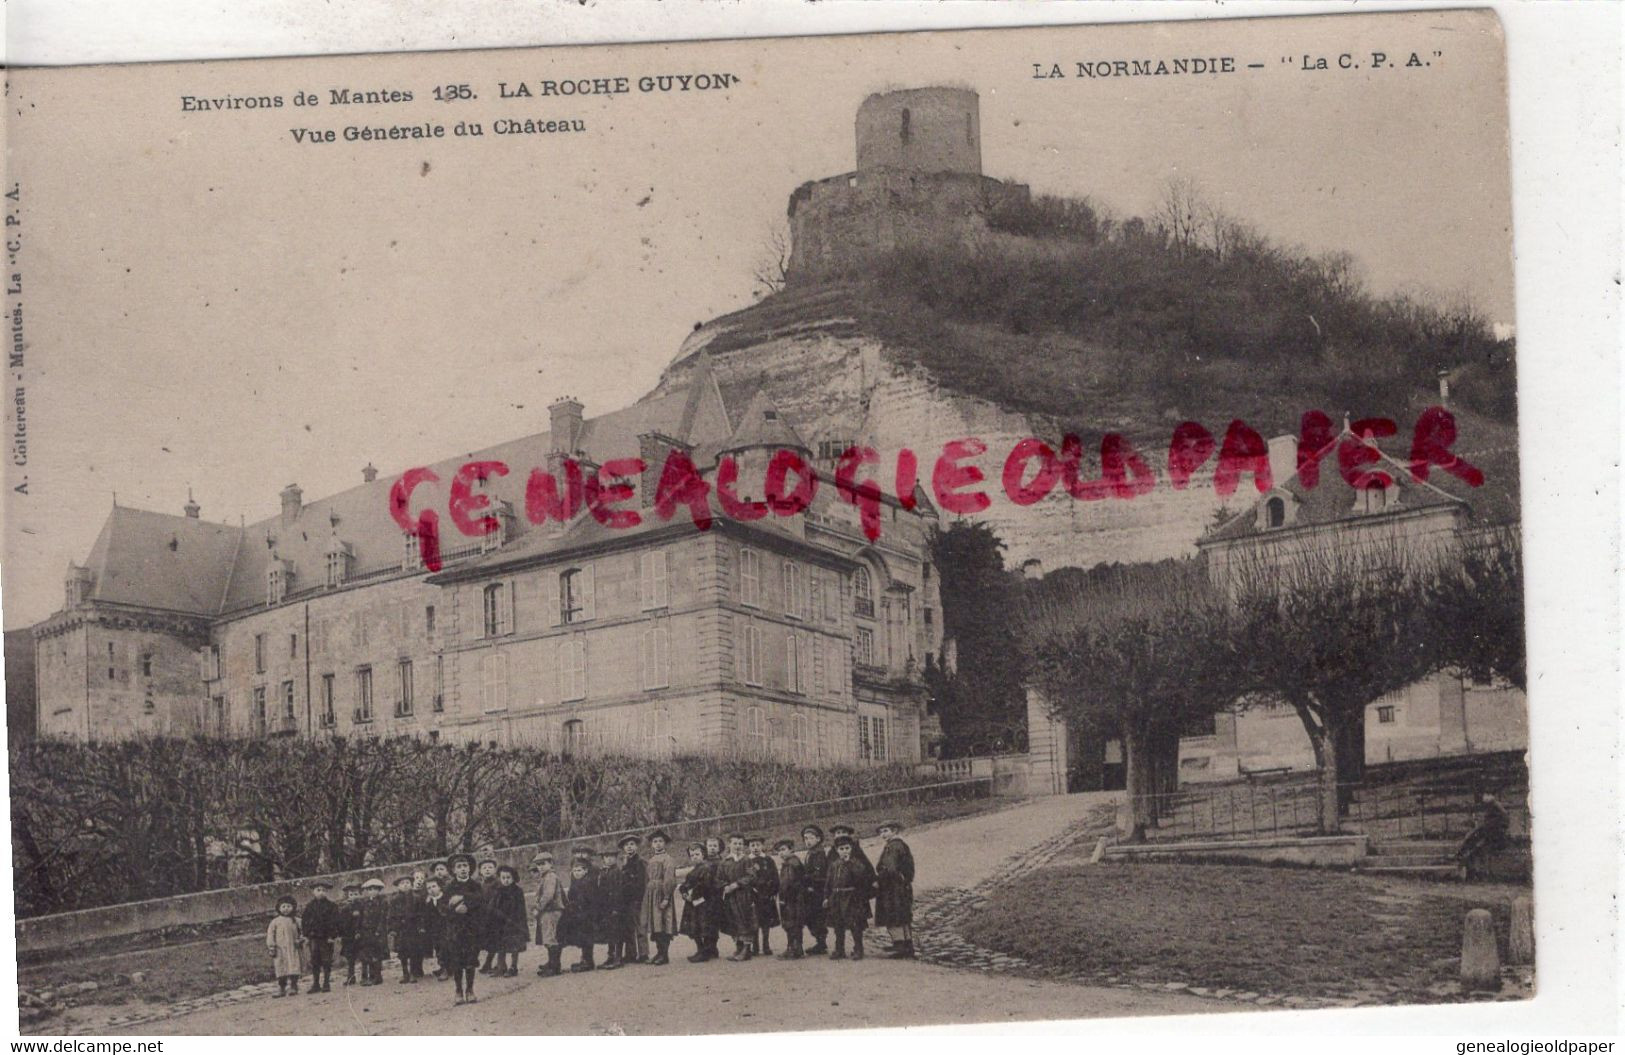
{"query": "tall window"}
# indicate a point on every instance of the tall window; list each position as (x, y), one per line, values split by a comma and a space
(363, 694)
(750, 654)
(575, 736)
(287, 703)
(293, 646)
(656, 657)
(863, 593)
(338, 566)
(864, 645)
(904, 131)
(750, 578)
(222, 723)
(428, 620)
(794, 665)
(110, 672)
(755, 731)
(411, 557)
(576, 595)
(259, 653)
(330, 715)
(259, 710)
(653, 589)
(211, 663)
(655, 725)
(799, 740)
(146, 664)
(835, 679)
(573, 668)
(439, 684)
(403, 679)
(497, 606)
(795, 591)
(872, 738)
(494, 681)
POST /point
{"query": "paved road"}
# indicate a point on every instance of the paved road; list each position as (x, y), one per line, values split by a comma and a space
(762, 995)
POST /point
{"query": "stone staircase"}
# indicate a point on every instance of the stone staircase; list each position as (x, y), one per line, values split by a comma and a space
(1415, 858)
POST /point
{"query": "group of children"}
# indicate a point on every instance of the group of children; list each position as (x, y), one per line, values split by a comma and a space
(459, 912)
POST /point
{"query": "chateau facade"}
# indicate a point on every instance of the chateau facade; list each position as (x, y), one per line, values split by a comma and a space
(791, 636)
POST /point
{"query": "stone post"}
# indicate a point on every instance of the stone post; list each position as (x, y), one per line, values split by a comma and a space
(1480, 959)
(1521, 940)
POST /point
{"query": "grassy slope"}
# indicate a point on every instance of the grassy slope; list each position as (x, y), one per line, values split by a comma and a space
(1270, 930)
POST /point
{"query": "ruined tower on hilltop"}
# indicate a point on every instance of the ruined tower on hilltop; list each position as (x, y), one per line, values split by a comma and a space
(918, 181)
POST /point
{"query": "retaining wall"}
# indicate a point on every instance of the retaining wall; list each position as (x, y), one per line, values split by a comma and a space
(1325, 851)
(213, 906)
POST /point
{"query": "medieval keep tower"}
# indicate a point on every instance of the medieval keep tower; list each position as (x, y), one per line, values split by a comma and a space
(918, 181)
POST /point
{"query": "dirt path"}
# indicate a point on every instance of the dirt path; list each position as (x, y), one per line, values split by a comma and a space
(765, 994)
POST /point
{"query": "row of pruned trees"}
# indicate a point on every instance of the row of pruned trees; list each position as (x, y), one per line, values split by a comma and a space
(106, 823)
(1144, 653)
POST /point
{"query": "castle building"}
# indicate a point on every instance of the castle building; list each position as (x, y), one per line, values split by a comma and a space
(790, 636)
(918, 181)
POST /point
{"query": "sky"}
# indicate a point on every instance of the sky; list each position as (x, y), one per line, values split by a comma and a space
(210, 304)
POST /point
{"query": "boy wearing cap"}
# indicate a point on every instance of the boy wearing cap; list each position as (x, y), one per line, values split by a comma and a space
(460, 918)
(634, 881)
(372, 943)
(350, 930)
(406, 929)
(549, 910)
(847, 897)
(320, 924)
(816, 872)
(487, 875)
(282, 940)
(764, 886)
(657, 912)
(578, 923)
(792, 894)
(734, 875)
(894, 898)
(609, 915)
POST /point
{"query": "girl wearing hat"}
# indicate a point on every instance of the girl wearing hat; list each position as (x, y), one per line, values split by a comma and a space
(282, 940)
(460, 916)
(508, 927)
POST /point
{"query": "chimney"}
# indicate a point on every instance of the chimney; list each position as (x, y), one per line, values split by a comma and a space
(191, 507)
(369, 473)
(1283, 458)
(291, 502)
(565, 423)
(1444, 387)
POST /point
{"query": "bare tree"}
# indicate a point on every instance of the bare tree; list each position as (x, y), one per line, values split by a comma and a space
(1182, 213)
(772, 268)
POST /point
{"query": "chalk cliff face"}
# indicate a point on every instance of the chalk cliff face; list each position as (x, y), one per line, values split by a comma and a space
(838, 384)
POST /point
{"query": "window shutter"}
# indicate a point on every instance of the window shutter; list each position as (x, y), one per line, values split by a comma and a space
(510, 600)
(588, 600)
(646, 657)
(550, 596)
(662, 579)
(646, 580)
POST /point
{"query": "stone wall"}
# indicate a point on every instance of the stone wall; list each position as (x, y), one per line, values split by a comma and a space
(922, 130)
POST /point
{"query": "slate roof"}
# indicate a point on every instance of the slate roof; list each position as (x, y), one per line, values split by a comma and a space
(1332, 499)
(214, 569)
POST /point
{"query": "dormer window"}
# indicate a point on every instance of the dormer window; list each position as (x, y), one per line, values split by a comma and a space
(277, 578)
(338, 563)
(502, 512)
(1370, 500)
(412, 558)
(1275, 513)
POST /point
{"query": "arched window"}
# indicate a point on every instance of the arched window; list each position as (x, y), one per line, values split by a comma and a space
(1275, 512)
(755, 731)
(863, 593)
(493, 609)
(903, 131)
(575, 731)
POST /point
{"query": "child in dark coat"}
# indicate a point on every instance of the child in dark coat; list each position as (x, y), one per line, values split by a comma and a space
(579, 922)
(610, 908)
(634, 879)
(350, 930)
(699, 892)
(460, 920)
(509, 928)
(846, 899)
(734, 877)
(764, 887)
(321, 924)
(487, 876)
(372, 943)
(406, 926)
(432, 908)
(792, 895)
(816, 865)
(894, 891)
